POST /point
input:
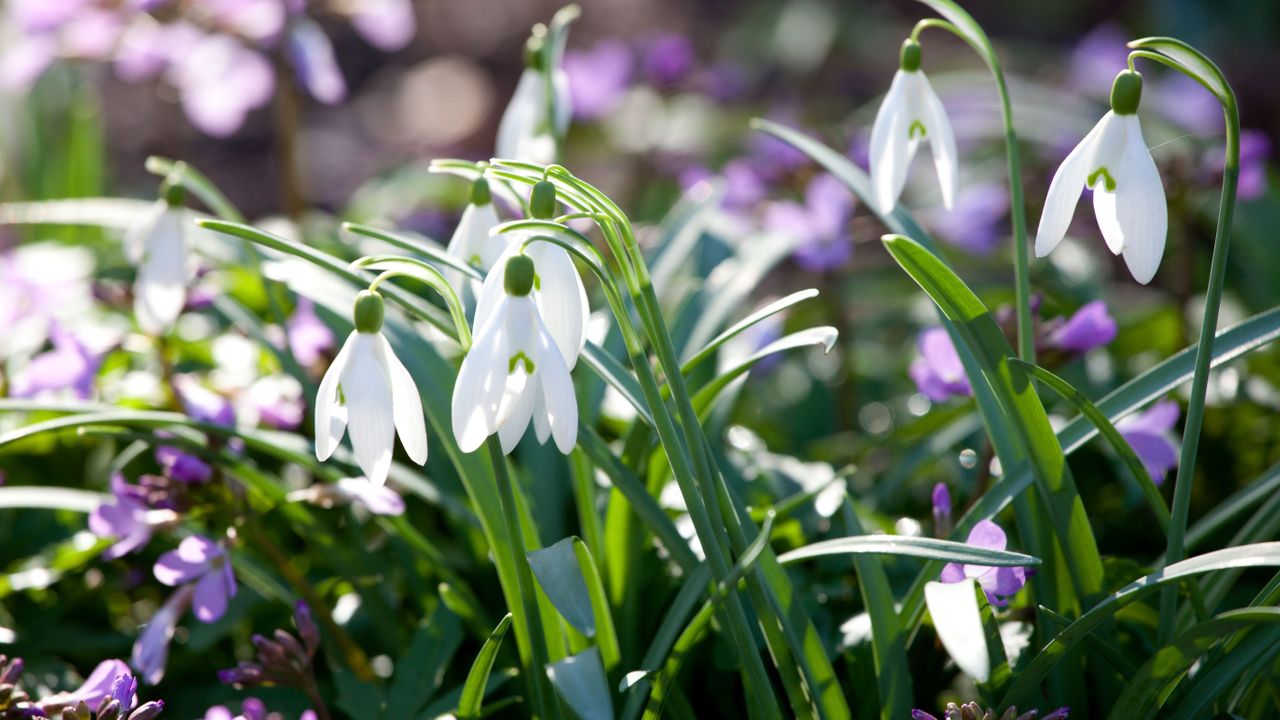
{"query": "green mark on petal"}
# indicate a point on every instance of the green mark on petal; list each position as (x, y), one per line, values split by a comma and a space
(518, 358)
(1106, 177)
(916, 125)
(476, 260)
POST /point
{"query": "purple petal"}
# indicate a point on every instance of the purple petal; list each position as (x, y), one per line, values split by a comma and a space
(668, 59)
(314, 62)
(598, 78)
(941, 498)
(1156, 451)
(977, 222)
(309, 337)
(192, 559)
(98, 685)
(987, 534)
(388, 25)
(211, 595)
(378, 499)
(221, 81)
(151, 650)
(952, 572)
(1090, 327)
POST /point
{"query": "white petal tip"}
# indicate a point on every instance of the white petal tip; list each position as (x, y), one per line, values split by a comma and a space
(958, 621)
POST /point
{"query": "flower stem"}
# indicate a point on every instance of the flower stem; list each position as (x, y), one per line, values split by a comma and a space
(544, 702)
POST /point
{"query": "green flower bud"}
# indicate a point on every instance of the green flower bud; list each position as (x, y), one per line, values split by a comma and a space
(909, 60)
(480, 194)
(1126, 92)
(542, 201)
(533, 52)
(519, 276)
(173, 193)
(368, 312)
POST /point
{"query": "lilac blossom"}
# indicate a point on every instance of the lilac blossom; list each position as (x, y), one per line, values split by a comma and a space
(938, 372)
(276, 401)
(68, 366)
(309, 338)
(151, 649)
(314, 63)
(388, 25)
(1090, 327)
(203, 404)
(1255, 151)
(258, 20)
(999, 583)
(820, 225)
(598, 78)
(941, 500)
(123, 518)
(744, 186)
(377, 499)
(201, 561)
(222, 81)
(1098, 56)
(976, 223)
(98, 686)
(40, 283)
(973, 710)
(1150, 434)
(182, 466)
(668, 59)
(1187, 103)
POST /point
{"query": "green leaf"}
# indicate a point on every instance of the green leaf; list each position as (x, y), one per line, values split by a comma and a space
(1253, 654)
(638, 682)
(1026, 685)
(739, 327)
(478, 677)
(116, 213)
(1118, 444)
(197, 184)
(705, 396)
(969, 29)
(606, 637)
(1192, 62)
(560, 576)
(51, 498)
(581, 681)
(421, 668)
(1145, 691)
(425, 249)
(910, 546)
(358, 698)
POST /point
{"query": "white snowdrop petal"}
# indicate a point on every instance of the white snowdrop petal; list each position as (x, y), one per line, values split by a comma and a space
(519, 121)
(954, 607)
(557, 392)
(1064, 193)
(942, 141)
(889, 151)
(1142, 210)
(331, 414)
(541, 421)
(563, 99)
(161, 287)
(562, 299)
(367, 390)
(480, 384)
(406, 404)
(517, 410)
(135, 238)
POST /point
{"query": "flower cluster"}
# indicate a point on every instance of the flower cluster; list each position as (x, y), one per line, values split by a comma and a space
(109, 693)
(282, 659)
(973, 711)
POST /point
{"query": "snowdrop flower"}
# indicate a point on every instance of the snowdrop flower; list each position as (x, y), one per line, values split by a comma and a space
(202, 563)
(1128, 197)
(472, 241)
(515, 372)
(529, 128)
(159, 246)
(368, 388)
(911, 112)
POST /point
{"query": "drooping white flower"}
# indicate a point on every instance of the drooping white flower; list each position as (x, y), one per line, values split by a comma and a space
(1128, 196)
(958, 621)
(516, 371)
(558, 293)
(911, 112)
(473, 241)
(529, 126)
(159, 247)
(368, 392)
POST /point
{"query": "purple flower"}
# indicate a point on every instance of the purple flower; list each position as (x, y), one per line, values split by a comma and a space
(182, 466)
(377, 499)
(388, 25)
(312, 56)
(309, 338)
(976, 223)
(221, 81)
(201, 561)
(276, 400)
(999, 583)
(1187, 103)
(668, 58)
(151, 650)
(598, 78)
(1090, 327)
(774, 156)
(1150, 434)
(820, 226)
(69, 365)
(1255, 150)
(258, 20)
(111, 678)
(938, 372)
(1098, 57)
(203, 404)
(124, 518)
(723, 82)
(744, 186)
(941, 499)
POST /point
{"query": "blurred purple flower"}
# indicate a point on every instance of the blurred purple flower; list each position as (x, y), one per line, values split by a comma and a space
(744, 187)
(976, 223)
(723, 82)
(69, 365)
(182, 466)
(941, 499)
(151, 649)
(1187, 103)
(309, 338)
(1090, 327)
(1000, 583)
(92, 34)
(668, 59)
(598, 78)
(1255, 152)
(124, 518)
(388, 25)
(110, 679)
(201, 403)
(313, 60)
(258, 20)
(201, 561)
(221, 81)
(277, 401)
(820, 225)
(377, 499)
(40, 16)
(774, 156)
(1097, 58)
(1150, 434)
(938, 372)
(251, 708)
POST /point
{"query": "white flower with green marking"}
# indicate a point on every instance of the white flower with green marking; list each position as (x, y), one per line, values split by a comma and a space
(1128, 196)
(159, 246)
(368, 393)
(472, 241)
(516, 371)
(535, 117)
(911, 113)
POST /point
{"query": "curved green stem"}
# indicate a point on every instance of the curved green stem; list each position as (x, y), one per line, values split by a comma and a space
(427, 274)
